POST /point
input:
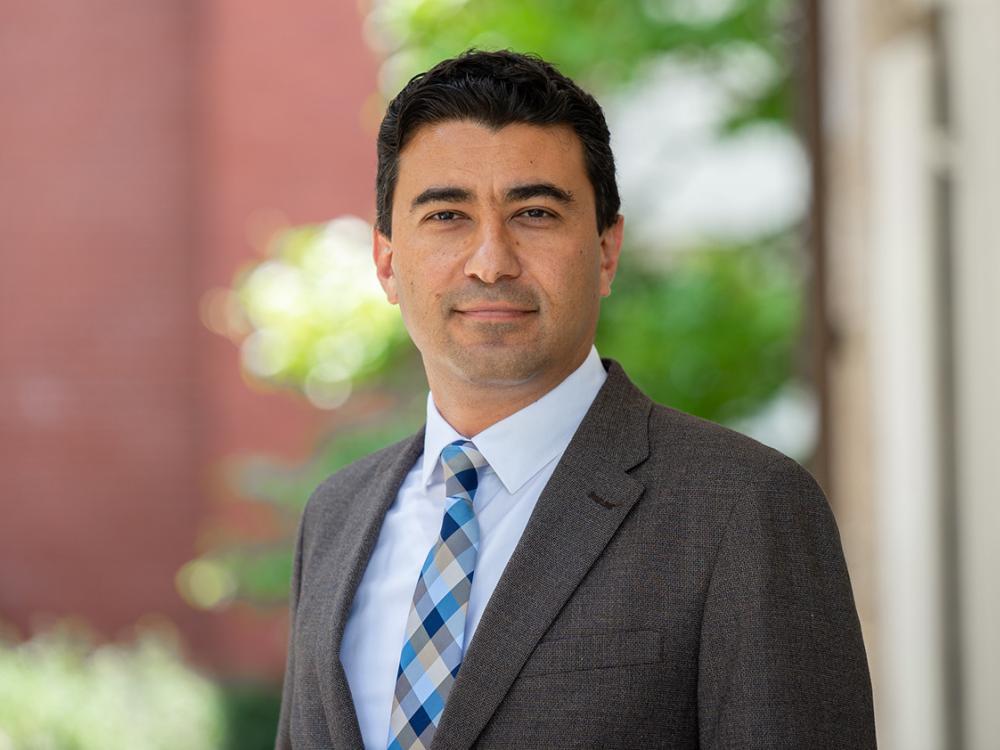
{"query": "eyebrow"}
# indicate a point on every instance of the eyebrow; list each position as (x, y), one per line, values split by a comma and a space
(447, 194)
(539, 190)
(454, 194)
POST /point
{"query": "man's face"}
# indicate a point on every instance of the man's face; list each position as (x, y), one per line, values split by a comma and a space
(495, 259)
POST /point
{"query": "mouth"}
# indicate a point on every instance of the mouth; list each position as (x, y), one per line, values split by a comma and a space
(487, 312)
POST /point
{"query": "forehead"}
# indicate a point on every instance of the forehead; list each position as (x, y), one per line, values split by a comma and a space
(468, 154)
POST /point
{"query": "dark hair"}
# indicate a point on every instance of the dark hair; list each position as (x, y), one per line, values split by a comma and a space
(496, 89)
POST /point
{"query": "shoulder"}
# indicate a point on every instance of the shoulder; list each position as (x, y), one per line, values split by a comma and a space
(688, 439)
(731, 492)
(723, 473)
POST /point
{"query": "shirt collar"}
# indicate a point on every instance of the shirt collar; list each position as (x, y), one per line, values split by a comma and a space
(518, 446)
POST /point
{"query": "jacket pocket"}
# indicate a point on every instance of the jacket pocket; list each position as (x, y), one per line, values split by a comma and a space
(579, 653)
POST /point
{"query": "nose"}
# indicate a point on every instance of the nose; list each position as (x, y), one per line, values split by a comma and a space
(494, 255)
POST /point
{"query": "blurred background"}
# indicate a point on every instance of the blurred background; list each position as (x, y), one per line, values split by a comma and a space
(191, 336)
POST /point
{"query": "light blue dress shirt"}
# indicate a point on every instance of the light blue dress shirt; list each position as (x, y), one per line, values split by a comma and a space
(522, 451)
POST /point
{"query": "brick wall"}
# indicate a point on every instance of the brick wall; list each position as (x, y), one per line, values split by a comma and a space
(140, 142)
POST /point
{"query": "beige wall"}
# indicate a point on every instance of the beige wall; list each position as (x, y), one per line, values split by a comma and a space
(912, 201)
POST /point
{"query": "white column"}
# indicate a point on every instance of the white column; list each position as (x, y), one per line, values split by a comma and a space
(905, 400)
(974, 54)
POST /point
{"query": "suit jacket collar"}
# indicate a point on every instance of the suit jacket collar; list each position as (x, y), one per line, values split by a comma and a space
(579, 510)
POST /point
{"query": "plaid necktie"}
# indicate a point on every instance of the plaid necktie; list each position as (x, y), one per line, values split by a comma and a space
(435, 630)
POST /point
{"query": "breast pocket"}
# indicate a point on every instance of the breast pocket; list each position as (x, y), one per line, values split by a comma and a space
(597, 651)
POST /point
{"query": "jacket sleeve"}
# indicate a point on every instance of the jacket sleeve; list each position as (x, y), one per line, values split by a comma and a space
(782, 663)
(283, 741)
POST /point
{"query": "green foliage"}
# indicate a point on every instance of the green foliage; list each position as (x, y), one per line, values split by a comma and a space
(318, 317)
(602, 44)
(713, 336)
(59, 692)
(251, 712)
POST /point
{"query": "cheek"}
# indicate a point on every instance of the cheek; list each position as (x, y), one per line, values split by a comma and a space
(419, 290)
(573, 276)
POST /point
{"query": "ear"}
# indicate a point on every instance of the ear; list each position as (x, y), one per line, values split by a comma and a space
(611, 248)
(382, 254)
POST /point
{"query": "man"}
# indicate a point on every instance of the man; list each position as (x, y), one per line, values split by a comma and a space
(554, 561)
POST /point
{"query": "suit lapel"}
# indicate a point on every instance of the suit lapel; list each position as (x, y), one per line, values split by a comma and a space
(578, 512)
(364, 515)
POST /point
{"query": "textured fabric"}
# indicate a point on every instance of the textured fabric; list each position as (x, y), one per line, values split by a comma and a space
(522, 458)
(679, 585)
(435, 630)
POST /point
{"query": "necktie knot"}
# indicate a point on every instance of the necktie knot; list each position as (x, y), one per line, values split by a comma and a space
(463, 466)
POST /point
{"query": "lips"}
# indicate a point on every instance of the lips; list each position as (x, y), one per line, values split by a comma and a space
(504, 301)
(494, 312)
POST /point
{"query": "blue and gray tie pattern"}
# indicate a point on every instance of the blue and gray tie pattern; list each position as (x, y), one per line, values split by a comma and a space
(435, 630)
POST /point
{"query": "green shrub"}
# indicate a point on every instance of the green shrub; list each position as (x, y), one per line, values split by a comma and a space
(58, 691)
(251, 710)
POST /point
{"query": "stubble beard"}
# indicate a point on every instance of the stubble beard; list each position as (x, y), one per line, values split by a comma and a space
(495, 360)
(502, 354)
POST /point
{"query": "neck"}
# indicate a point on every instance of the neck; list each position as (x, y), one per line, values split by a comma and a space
(472, 407)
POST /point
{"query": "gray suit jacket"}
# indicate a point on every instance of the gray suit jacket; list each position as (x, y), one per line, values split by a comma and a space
(678, 586)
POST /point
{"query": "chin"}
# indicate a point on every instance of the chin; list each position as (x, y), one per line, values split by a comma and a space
(492, 366)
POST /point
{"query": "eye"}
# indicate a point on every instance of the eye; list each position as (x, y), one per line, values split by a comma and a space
(537, 213)
(444, 216)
